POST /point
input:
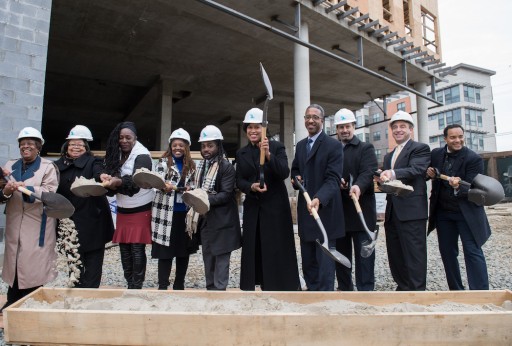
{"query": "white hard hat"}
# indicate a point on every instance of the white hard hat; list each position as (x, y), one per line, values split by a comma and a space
(344, 116)
(403, 116)
(253, 116)
(30, 132)
(210, 133)
(80, 132)
(181, 134)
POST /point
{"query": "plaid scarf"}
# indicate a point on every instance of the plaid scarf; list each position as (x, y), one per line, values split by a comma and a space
(209, 174)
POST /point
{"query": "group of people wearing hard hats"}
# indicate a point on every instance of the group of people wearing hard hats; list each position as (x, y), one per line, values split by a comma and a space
(174, 220)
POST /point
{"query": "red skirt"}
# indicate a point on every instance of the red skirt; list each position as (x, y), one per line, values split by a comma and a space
(133, 228)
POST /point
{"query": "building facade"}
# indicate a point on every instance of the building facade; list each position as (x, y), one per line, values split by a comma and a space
(467, 98)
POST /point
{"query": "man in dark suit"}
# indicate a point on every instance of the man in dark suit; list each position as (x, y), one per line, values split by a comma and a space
(318, 163)
(359, 163)
(406, 216)
(454, 215)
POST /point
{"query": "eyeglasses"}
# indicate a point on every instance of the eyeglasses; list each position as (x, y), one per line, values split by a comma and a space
(76, 145)
(314, 117)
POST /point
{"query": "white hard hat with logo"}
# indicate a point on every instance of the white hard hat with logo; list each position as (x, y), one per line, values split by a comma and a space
(403, 116)
(344, 116)
(30, 132)
(210, 133)
(80, 132)
(253, 116)
(181, 134)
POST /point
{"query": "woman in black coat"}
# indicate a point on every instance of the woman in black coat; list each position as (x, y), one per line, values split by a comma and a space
(92, 217)
(268, 245)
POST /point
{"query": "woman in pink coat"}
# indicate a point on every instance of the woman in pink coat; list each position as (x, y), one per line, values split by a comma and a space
(29, 258)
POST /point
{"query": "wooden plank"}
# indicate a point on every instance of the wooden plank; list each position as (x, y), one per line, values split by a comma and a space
(74, 327)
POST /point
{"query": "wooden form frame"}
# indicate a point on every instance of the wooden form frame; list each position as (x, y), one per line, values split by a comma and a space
(88, 327)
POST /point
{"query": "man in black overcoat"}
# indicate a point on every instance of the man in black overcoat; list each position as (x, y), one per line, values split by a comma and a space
(454, 215)
(359, 164)
(318, 163)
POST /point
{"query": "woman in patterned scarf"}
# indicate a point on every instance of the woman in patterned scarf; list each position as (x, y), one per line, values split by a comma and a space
(169, 237)
(220, 227)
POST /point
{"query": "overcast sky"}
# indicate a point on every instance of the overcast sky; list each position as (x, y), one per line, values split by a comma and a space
(478, 33)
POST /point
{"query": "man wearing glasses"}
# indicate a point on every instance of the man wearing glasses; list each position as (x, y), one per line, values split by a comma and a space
(318, 164)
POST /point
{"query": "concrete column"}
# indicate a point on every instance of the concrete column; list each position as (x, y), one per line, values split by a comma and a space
(165, 114)
(242, 137)
(286, 120)
(422, 114)
(301, 85)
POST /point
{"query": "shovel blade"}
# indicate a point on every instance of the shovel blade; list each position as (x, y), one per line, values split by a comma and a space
(367, 248)
(335, 255)
(56, 205)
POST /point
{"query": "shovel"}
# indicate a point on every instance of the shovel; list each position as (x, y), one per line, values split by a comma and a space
(332, 253)
(395, 187)
(484, 190)
(367, 246)
(55, 205)
(264, 122)
(83, 187)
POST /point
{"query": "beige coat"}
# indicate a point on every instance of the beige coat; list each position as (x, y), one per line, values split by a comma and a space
(36, 265)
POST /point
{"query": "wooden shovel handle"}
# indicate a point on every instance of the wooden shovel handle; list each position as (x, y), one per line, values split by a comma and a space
(447, 178)
(356, 203)
(262, 151)
(27, 192)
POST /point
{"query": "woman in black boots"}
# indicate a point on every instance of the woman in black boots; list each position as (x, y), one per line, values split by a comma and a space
(124, 154)
(168, 213)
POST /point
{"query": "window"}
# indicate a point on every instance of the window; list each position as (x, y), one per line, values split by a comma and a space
(386, 133)
(475, 141)
(376, 136)
(367, 137)
(378, 153)
(453, 117)
(440, 121)
(386, 11)
(451, 95)
(359, 121)
(400, 106)
(472, 94)
(360, 136)
(432, 117)
(428, 26)
(433, 139)
(473, 117)
(375, 117)
(407, 21)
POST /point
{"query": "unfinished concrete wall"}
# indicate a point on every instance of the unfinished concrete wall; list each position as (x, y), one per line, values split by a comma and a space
(24, 29)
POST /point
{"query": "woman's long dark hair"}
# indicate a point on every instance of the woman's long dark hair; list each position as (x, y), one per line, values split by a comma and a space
(188, 164)
(112, 162)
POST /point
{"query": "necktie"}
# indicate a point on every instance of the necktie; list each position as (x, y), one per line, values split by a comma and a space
(308, 146)
(395, 156)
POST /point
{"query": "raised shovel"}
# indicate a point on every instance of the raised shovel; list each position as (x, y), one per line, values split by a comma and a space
(332, 253)
(264, 122)
(368, 246)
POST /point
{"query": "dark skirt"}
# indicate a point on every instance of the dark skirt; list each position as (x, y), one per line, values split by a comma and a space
(179, 241)
(133, 228)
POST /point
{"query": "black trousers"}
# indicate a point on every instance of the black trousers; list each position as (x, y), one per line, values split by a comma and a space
(133, 260)
(92, 267)
(164, 271)
(406, 242)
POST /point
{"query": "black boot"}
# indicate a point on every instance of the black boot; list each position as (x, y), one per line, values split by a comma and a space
(127, 263)
(181, 271)
(139, 264)
(164, 271)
